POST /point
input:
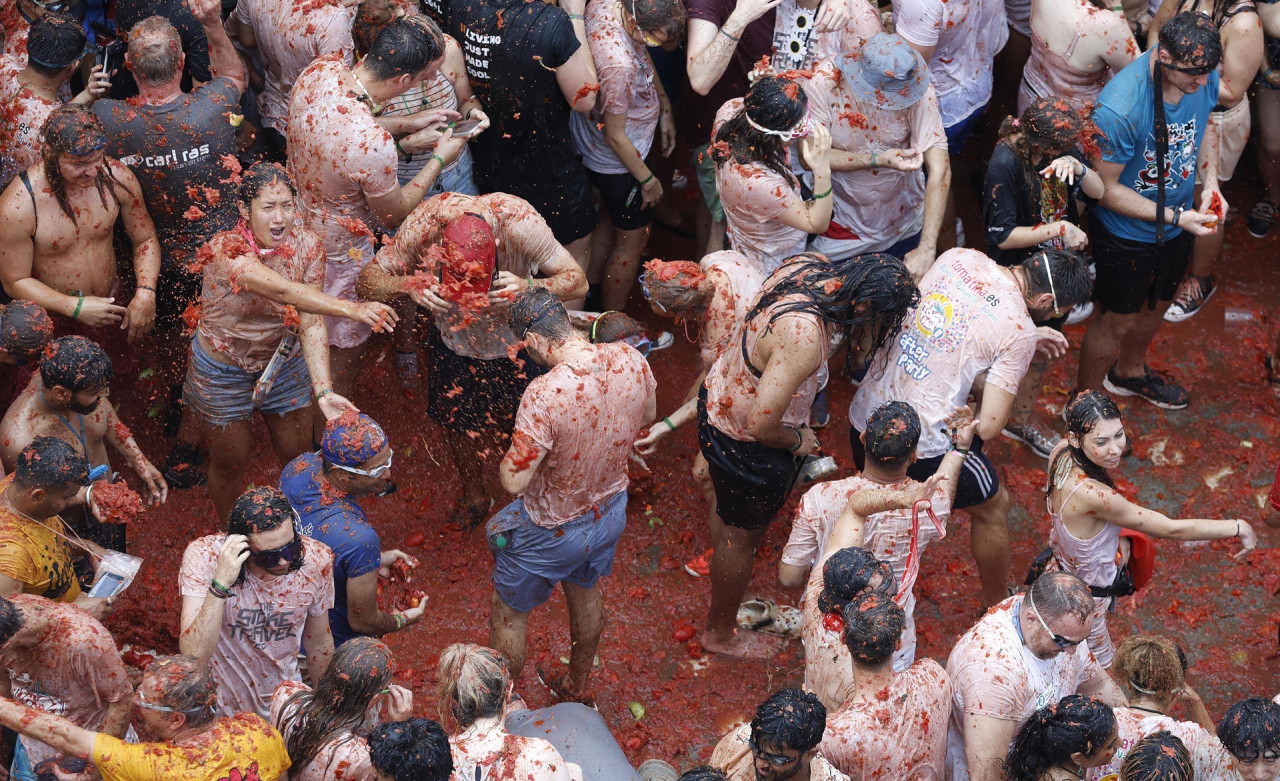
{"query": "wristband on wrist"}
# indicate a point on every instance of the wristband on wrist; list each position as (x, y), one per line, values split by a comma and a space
(400, 622)
(646, 181)
(670, 425)
(146, 287)
(529, 281)
(218, 590)
(820, 196)
(401, 149)
(323, 392)
(79, 303)
(799, 440)
(730, 36)
(874, 162)
(1177, 215)
(1237, 528)
(575, 16)
(439, 160)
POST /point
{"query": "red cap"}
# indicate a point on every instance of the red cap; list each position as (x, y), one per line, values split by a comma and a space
(470, 256)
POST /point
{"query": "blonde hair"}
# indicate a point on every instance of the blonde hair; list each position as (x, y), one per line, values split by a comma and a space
(1148, 664)
(473, 684)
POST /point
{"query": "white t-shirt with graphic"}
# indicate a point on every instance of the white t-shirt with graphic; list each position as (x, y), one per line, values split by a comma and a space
(971, 319)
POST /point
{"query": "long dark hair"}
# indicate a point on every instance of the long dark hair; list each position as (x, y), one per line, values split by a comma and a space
(1085, 411)
(836, 290)
(775, 103)
(359, 671)
(1074, 725)
(74, 130)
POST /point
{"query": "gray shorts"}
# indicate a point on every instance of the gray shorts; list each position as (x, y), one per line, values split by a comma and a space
(535, 559)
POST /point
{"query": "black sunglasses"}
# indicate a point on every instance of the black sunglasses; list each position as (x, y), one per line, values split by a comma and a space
(1191, 70)
(1058, 640)
(289, 552)
(777, 760)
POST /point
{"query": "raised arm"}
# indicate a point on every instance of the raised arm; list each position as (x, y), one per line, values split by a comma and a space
(814, 215)
(1107, 504)
(202, 615)
(710, 47)
(577, 76)
(224, 62)
(263, 281)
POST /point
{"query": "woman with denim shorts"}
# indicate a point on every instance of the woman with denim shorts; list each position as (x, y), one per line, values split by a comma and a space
(261, 342)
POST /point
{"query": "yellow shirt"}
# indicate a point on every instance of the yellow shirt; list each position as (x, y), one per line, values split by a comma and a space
(236, 748)
(35, 555)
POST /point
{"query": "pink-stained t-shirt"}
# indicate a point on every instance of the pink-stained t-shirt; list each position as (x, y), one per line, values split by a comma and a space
(586, 412)
(339, 156)
(74, 672)
(525, 245)
(881, 206)
(627, 86)
(737, 281)
(901, 735)
(993, 674)
(733, 756)
(262, 622)
(245, 326)
(731, 384)
(971, 319)
(291, 36)
(20, 144)
(886, 535)
(1208, 756)
(753, 196)
(344, 757)
(966, 36)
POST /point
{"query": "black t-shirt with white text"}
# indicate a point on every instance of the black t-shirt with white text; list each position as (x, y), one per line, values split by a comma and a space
(176, 152)
(511, 48)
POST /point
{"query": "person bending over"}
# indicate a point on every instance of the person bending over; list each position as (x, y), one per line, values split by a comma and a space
(412, 750)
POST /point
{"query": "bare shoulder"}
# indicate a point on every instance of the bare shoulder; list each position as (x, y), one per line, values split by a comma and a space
(16, 203)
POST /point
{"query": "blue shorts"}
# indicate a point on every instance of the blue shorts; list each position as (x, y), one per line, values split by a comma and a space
(222, 394)
(958, 133)
(526, 571)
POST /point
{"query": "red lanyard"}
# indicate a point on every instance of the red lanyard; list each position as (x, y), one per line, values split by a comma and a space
(913, 556)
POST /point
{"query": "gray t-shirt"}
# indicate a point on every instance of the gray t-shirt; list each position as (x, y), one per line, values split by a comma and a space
(176, 152)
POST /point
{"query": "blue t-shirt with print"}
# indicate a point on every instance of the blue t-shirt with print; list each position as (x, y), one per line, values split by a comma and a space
(334, 518)
(1126, 116)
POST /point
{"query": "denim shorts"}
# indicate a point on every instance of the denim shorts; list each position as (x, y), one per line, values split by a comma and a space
(535, 559)
(222, 394)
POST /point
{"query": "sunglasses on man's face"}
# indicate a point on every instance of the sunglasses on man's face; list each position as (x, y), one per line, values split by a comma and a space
(1058, 640)
(1191, 70)
(288, 552)
(777, 760)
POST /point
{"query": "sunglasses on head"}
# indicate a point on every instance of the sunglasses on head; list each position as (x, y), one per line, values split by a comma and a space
(289, 552)
(1058, 640)
(1191, 70)
(644, 289)
(377, 471)
(777, 760)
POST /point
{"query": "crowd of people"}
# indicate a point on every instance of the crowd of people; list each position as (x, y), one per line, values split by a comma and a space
(243, 194)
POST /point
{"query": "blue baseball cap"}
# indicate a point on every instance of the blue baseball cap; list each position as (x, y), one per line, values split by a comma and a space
(351, 439)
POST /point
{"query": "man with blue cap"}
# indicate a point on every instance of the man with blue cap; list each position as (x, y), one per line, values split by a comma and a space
(886, 136)
(354, 460)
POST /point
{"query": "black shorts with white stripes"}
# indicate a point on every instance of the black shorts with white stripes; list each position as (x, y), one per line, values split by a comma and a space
(979, 480)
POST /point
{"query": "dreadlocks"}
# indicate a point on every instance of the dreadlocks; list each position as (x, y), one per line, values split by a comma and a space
(863, 294)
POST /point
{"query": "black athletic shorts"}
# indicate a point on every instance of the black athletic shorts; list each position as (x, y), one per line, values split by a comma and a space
(752, 481)
(617, 190)
(1133, 275)
(563, 198)
(979, 480)
(472, 394)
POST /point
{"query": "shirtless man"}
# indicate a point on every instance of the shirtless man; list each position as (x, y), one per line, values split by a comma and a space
(1242, 43)
(474, 388)
(70, 401)
(75, 376)
(56, 236)
(344, 163)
